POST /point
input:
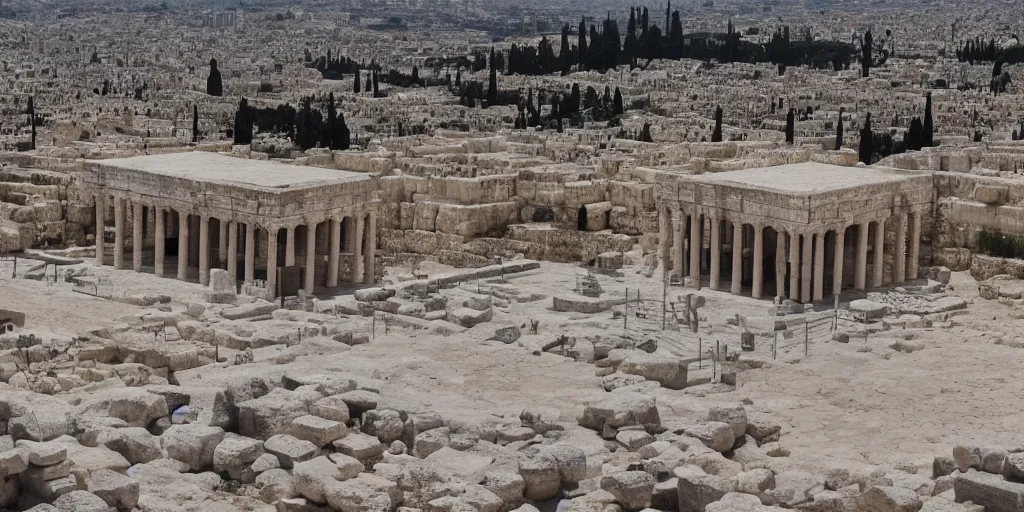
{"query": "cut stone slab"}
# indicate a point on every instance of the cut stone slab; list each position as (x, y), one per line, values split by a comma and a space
(317, 430)
(698, 489)
(263, 417)
(117, 490)
(43, 454)
(469, 466)
(192, 444)
(80, 501)
(135, 406)
(312, 477)
(888, 499)
(990, 491)
(619, 409)
(235, 452)
(360, 446)
(290, 450)
(632, 489)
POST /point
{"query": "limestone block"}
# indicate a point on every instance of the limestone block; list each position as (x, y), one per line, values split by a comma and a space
(619, 409)
(116, 489)
(316, 430)
(263, 417)
(194, 445)
(888, 499)
(360, 446)
(990, 491)
(697, 489)
(632, 489)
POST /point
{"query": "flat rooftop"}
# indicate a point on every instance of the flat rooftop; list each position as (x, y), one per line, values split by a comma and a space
(220, 168)
(803, 178)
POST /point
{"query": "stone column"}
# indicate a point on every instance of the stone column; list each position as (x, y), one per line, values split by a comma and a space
(794, 267)
(159, 241)
(837, 267)
(250, 252)
(664, 221)
(222, 243)
(357, 249)
(183, 245)
(289, 246)
(138, 221)
(780, 264)
(757, 290)
(679, 227)
(150, 225)
(806, 268)
(232, 252)
(272, 261)
(334, 252)
(101, 226)
(118, 233)
(819, 266)
(915, 244)
(204, 251)
(737, 259)
(370, 251)
(716, 252)
(879, 267)
(310, 282)
(899, 262)
(860, 275)
(695, 247)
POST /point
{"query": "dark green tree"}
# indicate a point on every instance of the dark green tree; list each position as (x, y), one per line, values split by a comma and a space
(243, 123)
(376, 89)
(645, 134)
(416, 75)
(790, 127)
(581, 47)
(928, 135)
(618, 102)
(716, 136)
(839, 131)
(866, 138)
(564, 53)
(195, 123)
(865, 58)
(214, 85)
(356, 82)
(492, 84)
(32, 120)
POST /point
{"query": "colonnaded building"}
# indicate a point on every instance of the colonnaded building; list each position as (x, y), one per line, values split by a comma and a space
(799, 231)
(197, 208)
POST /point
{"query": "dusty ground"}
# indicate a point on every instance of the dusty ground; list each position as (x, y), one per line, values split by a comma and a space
(838, 402)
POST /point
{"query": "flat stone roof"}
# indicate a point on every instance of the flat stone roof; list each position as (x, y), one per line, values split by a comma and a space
(804, 178)
(220, 168)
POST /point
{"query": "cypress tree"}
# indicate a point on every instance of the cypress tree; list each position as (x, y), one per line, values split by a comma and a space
(790, 127)
(458, 78)
(243, 123)
(865, 59)
(492, 84)
(376, 90)
(195, 123)
(928, 136)
(582, 46)
(32, 119)
(645, 135)
(573, 105)
(415, 75)
(355, 85)
(214, 85)
(839, 131)
(369, 82)
(717, 135)
(564, 54)
(866, 137)
(618, 102)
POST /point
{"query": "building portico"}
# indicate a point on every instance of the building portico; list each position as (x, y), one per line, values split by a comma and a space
(799, 231)
(204, 206)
